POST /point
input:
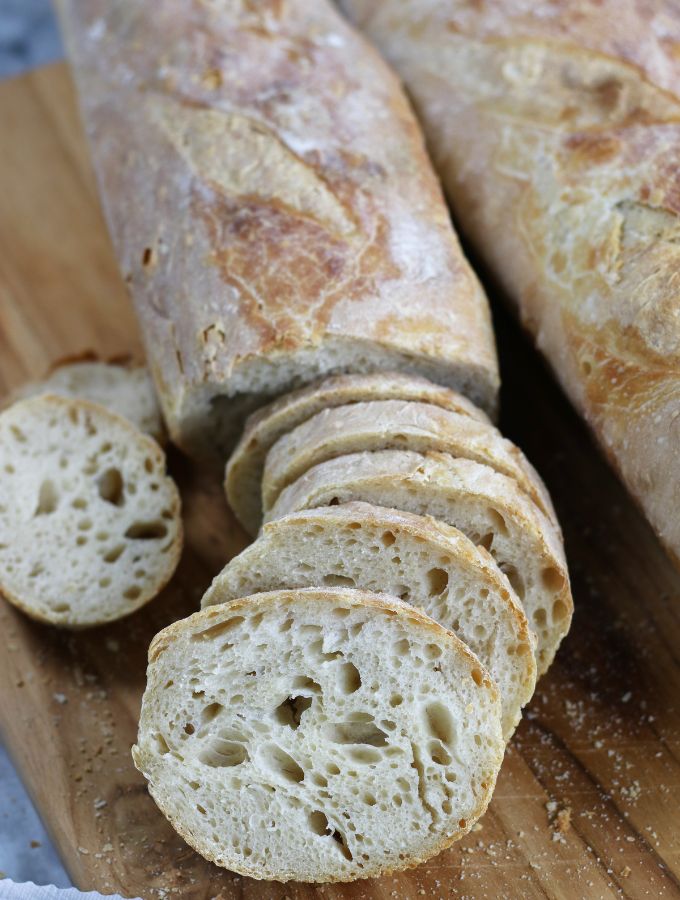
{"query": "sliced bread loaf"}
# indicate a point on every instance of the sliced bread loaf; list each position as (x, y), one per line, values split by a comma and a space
(486, 506)
(125, 390)
(396, 425)
(430, 565)
(317, 735)
(90, 525)
(243, 483)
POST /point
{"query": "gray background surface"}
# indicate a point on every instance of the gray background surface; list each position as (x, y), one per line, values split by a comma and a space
(28, 37)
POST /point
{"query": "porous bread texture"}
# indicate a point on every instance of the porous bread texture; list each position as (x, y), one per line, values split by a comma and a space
(486, 506)
(243, 482)
(430, 565)
(90, 524)
(396, 425)
(280, 733)
(125, 390)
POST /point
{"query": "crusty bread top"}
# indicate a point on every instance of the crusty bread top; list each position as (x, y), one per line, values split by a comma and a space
(267, 425)
(286, 222)
(280, 732)
(401, 425)
(570, 192)
(126, 390)
(486, 506)
(90, 524)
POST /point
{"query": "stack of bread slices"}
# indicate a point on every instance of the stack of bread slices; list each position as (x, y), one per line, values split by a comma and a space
(356, 671)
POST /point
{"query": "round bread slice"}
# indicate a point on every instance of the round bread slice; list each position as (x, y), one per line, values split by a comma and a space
(430, 565)
(486, 506)
(317, 735)
(126, 390)
(395, 425)
(90, 525)
(243, 483)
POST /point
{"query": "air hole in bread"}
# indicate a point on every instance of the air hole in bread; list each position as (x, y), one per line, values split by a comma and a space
(111, 487)
(440, 722)
(9, 468)
(211, 712)
(224, 754)
(214, 631)
(114, 553)
(339, 838)
(387, 538)
(332, 769)
(319, 780)
(396, 700)
(515, 579)
(48, 497)
(189, 728)
(498, 520)
(334, 501)
(437, 582)
(290, 711)
(79, 503)
(61, 607)
(402, 647)
(477, 677)
(146, 531)
(486, 541)
(133, 592)
(540, 617)
(81, 540)
(553, 579)
(357, 731)
(363, 755)
(334, 580)
(319, 823)
(104, 582)
(350, 679)
(281, 763)
(316, 649)
(559, 610)
(85, 524)
(161, 743)
(18, 433)
(439, 754)
(148, 465)
(433, 651)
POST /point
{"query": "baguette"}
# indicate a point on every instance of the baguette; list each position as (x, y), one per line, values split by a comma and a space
(486, 506)
(280, 732)
(272, 207)
(396, 425)
(90, 524)
(243, 483)
(127, 391)
(555, 128)
(430, 565)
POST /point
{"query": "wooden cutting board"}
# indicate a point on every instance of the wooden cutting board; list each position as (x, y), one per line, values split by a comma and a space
(588, 801)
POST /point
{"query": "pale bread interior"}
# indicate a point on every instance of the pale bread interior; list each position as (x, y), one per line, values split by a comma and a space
(431, 566)
(317, 735)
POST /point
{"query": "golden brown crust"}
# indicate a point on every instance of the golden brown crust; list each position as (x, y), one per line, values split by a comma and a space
(572, 194)
(271, 203)
(392, 606)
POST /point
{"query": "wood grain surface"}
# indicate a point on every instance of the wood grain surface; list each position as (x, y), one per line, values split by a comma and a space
(588, 801)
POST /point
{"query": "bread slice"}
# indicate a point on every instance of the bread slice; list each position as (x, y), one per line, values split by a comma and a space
(125, 390)
(90, 525)
(486, 506)
(243, 483)
(430, 565)
(317, 735)
(396, 425)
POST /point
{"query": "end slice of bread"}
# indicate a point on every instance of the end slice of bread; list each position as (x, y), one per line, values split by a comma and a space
(243, 482)
(90, 524)
(126, 390)
(318, 735)
(396, 425)
(430, 565)
(486, 506)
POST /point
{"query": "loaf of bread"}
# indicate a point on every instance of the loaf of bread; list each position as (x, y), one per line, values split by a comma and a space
(396, 425)
(90, 524)
(555, 127)
(486, 506)
(243, 481)
(317, 735)
(272, 206)
(423, 562)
